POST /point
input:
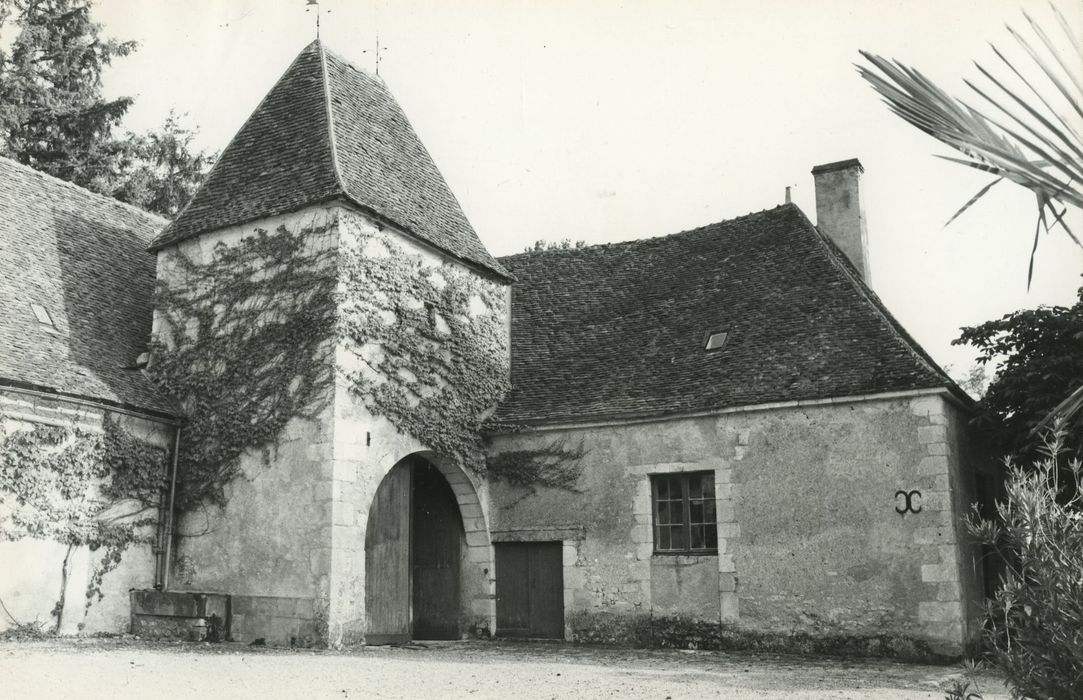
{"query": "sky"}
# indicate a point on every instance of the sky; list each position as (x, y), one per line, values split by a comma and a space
(608, 121)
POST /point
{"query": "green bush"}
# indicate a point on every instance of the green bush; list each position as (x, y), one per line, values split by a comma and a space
(1034, 624)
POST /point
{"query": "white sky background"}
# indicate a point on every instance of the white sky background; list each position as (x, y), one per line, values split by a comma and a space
(609, 121)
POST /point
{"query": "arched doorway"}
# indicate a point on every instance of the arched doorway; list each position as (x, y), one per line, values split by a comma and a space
(414, 547)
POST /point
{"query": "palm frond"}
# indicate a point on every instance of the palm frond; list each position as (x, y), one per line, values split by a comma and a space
(973, 199)
(1068, 32)
(1023, 140)
(1054, 77)
(1065, 124)
(1067, 138)
(1058, 218)
(1063, 411)
(1052, 49)
(1037, 232)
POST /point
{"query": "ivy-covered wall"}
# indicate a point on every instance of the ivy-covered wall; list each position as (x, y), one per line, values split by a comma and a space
(80, 484)
(244, 347)
(422, 357)
(311, 353)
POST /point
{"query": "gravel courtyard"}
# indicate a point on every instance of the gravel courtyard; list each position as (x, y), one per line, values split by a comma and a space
(126, 668)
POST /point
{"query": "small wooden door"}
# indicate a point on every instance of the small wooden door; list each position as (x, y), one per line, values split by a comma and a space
(437, 550)
(530, 590)
(387, 560)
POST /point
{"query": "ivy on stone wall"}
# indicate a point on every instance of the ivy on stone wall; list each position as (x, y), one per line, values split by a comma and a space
(430, 344)
(79, 487)
(247, 341)
(555, 465)
(244, 346)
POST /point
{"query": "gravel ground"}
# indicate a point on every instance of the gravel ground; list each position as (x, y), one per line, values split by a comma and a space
(129, 668)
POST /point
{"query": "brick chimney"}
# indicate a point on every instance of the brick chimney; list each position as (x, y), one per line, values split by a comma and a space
(840, 214)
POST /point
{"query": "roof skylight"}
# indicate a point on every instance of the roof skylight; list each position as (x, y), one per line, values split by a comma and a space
(42, 315)
(716, 340)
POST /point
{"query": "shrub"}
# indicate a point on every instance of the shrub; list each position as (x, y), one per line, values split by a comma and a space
(1034, 624)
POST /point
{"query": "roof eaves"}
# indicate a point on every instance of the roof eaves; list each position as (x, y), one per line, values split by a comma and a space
(503, 426)
(195, 233)
(127, 406)
(498, 271)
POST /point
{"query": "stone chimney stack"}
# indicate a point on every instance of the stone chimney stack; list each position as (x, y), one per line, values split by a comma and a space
(840, 213)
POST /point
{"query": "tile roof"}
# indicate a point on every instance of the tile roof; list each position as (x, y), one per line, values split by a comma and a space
(83, 258)
(329, 131)
(619, 330)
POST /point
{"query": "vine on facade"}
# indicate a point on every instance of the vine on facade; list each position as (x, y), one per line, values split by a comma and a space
(247, 341)
(80, 487)
(555, 465)
(429, 343)
(244, 345)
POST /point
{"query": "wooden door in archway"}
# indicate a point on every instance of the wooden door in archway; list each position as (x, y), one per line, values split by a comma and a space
(413, 550)
(387, 559)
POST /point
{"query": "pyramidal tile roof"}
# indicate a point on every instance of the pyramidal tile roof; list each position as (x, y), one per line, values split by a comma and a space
(328, 131)
(621, 330)
(82, 259)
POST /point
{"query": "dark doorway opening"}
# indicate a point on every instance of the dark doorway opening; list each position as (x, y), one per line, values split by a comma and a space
(530, 590)
(437, 551)
(413, 550)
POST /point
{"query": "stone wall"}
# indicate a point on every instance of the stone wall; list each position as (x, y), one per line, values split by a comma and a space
(30, 583)
(294, 525)
(366, 447)
(810, 543)
(273, 537)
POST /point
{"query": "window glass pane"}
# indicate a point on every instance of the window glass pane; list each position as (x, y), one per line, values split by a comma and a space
(676, 538)
(696, 539)
(663, 513)
(695, 487)
(679, 541)
(708, 512)
(708, 485)
(711, 537)
(677, 512)
(695, 511)
(662, 487)
(662, 534)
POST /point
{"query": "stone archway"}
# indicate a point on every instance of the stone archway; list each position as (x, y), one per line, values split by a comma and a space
(428, 558)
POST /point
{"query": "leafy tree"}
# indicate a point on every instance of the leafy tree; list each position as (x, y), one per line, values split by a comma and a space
(166, 170)
(1042, 362)
(562, 244)
(53, 116)
(976, 381)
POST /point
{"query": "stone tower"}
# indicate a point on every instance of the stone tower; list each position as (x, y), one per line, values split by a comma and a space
(322, 517)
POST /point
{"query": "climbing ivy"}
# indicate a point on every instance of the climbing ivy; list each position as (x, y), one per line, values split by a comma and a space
(555, 465)
(431, 344)
(243, 346)
(428, 343)
(79, 487)
(247, 340)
